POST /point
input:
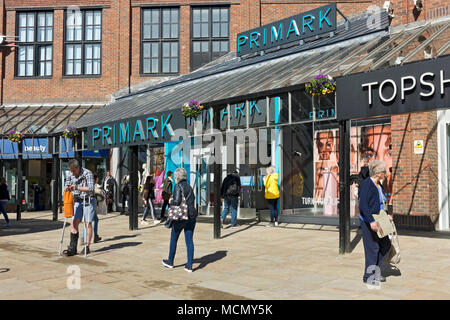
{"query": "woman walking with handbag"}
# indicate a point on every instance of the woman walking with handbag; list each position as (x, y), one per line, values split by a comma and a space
(272, 194)
(149, 196)
(372, 200)
(182, 191)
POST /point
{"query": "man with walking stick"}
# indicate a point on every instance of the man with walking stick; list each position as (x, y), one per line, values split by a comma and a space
(80, 182)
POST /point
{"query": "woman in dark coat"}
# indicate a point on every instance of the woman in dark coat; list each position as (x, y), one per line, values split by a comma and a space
(372, 200)
(183, 188)
(148, 196)
(4, 198)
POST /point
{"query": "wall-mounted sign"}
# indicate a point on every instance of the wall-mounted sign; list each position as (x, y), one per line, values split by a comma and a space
(417, 86)
(295, 28)
(155, 128)
(418, 146)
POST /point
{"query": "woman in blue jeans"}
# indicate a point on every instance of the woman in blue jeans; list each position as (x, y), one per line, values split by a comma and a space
(182, 188)
(4, 198)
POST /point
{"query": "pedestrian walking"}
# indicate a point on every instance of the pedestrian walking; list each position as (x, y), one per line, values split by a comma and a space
(125, 183)
(272, 194)
(371, 202)
(100, 196)
(4, 198)
(108, 186)
(166, 193)
(80, 182)
(230, 194)
(149, 196)
(182, 189)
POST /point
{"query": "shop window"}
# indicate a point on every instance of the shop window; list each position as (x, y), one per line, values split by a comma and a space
(35, 52)
(160, 41)
(301, 103)
(83, 42)
(210, 34)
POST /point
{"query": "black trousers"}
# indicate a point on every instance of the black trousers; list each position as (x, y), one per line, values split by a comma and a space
(375, 249)
(163, 208)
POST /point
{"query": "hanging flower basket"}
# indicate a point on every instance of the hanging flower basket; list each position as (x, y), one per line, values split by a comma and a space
(15, 136)
(322, 85)
(192, 109)
(69, 133)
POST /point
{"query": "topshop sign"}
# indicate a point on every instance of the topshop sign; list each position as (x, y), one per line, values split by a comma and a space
(418, 86)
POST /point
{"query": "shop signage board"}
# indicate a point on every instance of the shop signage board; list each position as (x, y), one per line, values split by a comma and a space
(301, 26)
(146, 129)
(413, 87)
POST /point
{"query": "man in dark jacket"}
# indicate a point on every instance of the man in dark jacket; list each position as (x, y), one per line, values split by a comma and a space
(230, 194)
(108, 186)
(182, 188)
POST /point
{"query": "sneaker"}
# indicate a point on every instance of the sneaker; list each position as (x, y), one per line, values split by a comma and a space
(144, 222)
(276, 223)
(167, 264)
(188, 269)
(156, 222)
(97, 239)
(7, 225)
(87, 251)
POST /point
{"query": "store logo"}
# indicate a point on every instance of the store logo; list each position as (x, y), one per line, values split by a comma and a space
(40, 149)
(295, 28)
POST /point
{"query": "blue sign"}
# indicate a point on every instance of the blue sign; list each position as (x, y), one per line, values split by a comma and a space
(295, 28)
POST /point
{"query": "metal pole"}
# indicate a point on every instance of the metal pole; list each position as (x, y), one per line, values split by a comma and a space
(344, 187)
(19, 182)
(55, 184)
(133, 197)
(217, 168)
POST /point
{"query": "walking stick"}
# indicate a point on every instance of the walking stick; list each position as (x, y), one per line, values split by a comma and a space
(62, 237)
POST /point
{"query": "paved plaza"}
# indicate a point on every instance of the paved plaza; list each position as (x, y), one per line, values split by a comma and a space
(253, 261)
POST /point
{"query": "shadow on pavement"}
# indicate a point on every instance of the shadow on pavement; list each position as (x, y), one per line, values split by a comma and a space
(388, 270)
(118, 246)
(248, 226)
(3, 270)
(356, 240)
(210, 258)
(424, 234)
(119, 238)
(26, 226)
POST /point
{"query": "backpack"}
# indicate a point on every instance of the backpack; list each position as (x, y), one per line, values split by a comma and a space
(166, 186)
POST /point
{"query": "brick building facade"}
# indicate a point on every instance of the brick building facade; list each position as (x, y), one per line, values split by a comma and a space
(121, 68)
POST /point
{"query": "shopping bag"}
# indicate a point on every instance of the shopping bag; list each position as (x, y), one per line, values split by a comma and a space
(68, 204)
(394, 253)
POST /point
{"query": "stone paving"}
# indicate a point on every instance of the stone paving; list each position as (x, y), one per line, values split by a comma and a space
(293, 261)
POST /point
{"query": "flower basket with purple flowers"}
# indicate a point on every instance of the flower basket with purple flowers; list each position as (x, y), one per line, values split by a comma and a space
(192, 109)
(15, 136)
(69, 133)
(321, 85)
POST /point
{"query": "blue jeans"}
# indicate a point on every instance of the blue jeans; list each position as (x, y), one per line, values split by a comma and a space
(95, 224)
(178, 226)
(3, 210)
(273, 206)
(233, 203)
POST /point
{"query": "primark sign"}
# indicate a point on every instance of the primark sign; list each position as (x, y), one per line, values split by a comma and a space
(413, 87)
(301, 26)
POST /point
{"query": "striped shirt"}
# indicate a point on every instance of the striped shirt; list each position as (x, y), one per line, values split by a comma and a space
(85, 179)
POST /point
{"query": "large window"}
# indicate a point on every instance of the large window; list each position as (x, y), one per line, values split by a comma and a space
(210, 34)
(35, 52)
(83, 42)
(160, 41)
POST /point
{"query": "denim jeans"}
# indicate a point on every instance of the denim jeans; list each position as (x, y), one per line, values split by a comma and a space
(3, 210)
(95, 224)
(150, 208)
(273, 206)
(233, 203)
(178, 226)
(375, 249)
(163, 208)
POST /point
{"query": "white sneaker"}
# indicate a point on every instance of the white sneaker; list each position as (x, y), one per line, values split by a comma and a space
(144, 222)
(156, 222)
(276, 223)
